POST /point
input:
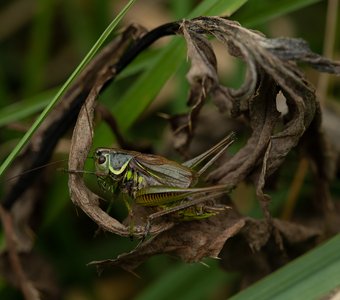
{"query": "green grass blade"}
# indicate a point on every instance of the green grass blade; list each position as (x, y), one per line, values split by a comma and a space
(180, 8)
(140, 64)
(80, 67)
(146, 87)
(217, 7)
(259, 11)
(311, 276)
(225, 8)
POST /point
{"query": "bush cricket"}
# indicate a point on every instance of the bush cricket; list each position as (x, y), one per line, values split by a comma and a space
(152, 180)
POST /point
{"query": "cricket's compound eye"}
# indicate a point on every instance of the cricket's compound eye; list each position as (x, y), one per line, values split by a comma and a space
(101, 159)
(98, 153)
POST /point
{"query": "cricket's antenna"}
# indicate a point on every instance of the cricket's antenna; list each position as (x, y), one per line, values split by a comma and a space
(46, 165)
(37, 168)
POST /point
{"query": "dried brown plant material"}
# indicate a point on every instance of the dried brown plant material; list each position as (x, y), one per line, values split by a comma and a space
(271, 69)
(191, 241)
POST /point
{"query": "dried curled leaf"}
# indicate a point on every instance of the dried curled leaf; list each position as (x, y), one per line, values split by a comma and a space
(191, 241)
(201, 76)
(271, 70)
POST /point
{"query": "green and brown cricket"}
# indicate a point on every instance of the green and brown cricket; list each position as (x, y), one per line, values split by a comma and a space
(152, 180)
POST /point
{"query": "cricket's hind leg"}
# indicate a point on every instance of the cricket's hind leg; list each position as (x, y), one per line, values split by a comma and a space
(215, 151)
(186, 207)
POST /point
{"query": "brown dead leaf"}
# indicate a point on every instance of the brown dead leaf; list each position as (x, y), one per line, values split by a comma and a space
(190, 241)
(201, 76)
(271, 69)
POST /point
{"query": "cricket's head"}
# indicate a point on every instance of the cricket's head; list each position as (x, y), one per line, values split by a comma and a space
(111, 162)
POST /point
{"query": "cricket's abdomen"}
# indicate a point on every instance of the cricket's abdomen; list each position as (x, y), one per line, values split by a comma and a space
(155, 199)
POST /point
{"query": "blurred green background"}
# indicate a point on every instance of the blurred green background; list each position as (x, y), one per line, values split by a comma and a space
(41, 43)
